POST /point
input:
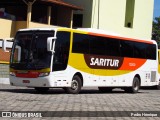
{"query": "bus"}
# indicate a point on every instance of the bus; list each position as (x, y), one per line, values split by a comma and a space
(158, 86)
(44, 58)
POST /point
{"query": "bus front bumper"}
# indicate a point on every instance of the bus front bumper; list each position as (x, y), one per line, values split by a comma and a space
(37, 82)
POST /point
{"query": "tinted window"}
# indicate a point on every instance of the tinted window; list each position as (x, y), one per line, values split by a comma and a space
(80, 43)
(98, 45)
(151, 52)
(113, 47)
(61, 51)
(127, 48)
(139, 50)
(29, 50)
(87, 44)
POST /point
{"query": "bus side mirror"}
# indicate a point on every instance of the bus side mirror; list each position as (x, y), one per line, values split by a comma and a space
(50, 43)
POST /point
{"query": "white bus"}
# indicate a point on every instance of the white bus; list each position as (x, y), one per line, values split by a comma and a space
(45, 58)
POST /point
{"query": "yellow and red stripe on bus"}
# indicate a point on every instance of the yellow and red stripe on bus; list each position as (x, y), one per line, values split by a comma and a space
(105, 65)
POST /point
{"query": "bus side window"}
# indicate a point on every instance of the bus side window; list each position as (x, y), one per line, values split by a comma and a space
(81, 43)
(61, 54)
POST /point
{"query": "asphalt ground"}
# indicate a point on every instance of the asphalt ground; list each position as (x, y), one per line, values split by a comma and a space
(90, 104)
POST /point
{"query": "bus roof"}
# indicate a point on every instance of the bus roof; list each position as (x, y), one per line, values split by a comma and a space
(92, 31)
(44, 28)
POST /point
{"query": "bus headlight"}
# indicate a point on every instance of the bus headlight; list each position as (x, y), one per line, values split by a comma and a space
(12, 73)
(43, 74)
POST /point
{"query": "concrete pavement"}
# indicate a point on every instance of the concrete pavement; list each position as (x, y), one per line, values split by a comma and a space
(89, 100)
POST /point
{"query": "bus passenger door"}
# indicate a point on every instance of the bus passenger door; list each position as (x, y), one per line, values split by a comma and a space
(60, 57)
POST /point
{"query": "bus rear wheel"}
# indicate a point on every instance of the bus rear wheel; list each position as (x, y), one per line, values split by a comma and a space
(135, 86)
(157, 87)
(75, 85)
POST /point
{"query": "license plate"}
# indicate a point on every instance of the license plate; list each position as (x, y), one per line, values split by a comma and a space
(26, 81)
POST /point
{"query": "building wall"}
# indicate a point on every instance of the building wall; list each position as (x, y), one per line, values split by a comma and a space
(10, 23)
(20, 25)
(112, 16)
(4, 56)
(6, 28)
(64, 18)
(87, 12)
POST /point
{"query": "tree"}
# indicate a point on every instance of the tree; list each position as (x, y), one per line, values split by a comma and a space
(156, 30)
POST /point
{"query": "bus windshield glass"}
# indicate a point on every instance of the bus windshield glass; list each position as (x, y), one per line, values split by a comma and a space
(29, 51)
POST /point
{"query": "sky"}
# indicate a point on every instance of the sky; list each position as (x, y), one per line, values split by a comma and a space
(156, 8)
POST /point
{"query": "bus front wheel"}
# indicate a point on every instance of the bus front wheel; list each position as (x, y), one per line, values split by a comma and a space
(76, 85)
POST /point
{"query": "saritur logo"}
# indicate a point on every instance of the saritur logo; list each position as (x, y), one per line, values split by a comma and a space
(103, 62)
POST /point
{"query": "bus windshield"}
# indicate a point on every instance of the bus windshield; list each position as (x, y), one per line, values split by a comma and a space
(29, 51)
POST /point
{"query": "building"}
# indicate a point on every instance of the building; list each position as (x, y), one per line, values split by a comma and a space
(18, 14)
(130, 18)
(4, 60)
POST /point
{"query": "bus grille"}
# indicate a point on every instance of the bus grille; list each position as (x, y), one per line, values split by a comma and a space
(153, 76)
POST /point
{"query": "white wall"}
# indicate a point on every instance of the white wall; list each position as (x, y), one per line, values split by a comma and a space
(112, 16)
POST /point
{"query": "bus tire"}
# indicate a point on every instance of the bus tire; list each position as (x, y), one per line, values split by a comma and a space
(75, 85)
(105, 89)
(135, 86)
(41, 89)
(157, 87)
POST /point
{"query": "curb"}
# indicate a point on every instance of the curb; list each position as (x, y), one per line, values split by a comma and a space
(4, 81)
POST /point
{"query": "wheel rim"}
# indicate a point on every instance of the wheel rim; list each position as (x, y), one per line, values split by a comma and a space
(136, 85)
(74, 85)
